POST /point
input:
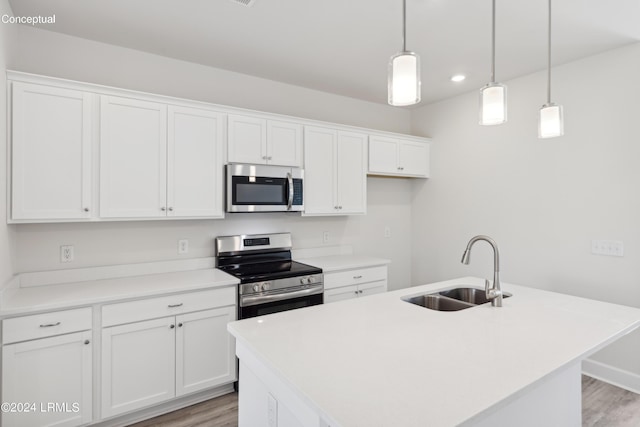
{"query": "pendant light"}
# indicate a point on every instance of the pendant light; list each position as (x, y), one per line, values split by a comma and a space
(550, 121)
(404, 71)
(493, 97)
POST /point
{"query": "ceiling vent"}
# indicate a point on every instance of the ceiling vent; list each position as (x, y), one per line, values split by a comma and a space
(247, 3)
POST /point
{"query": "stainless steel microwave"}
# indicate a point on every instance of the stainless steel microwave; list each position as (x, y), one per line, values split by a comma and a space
(264, 188)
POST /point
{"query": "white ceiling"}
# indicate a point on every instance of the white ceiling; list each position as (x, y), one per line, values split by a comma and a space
(343, 46)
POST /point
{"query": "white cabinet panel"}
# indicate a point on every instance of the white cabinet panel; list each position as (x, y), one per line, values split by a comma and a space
(204, 350)
(335, 172)
(320, 146)
(352, 173)
(54, 370)
(50, 153)
(398, 157)
(138, 365)
(264, 142)
(195, 181)
(247, 140)
(348, 284)
(413, 158)
(340, 294)
(284, 143)
(383, 155)
(133, 158)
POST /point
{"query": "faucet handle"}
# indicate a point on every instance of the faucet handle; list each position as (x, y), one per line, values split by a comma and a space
(486, 287)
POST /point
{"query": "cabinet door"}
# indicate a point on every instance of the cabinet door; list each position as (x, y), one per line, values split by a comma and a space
(54, 374)
(284, 143)
(247, 140)
(413, 158)
(138, 365)
(320, 170)
(352, 173)
(204, 350)
(50, 153)
(372, 288)
(340, 294)
(383, 155)
(194, 184)
(133, 158)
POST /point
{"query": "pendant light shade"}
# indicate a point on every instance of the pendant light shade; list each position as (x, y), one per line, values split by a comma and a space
(550, 120)
(404, 79)
(550, 123)
(493, 97)
(404, 72)
(493, 104)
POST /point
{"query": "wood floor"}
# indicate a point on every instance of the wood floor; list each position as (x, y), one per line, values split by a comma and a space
(603, 405)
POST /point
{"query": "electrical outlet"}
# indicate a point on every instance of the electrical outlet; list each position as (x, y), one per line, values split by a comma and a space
(183, 246)
(66, 253)
(607, 247)
(325, 237)
(387, 231)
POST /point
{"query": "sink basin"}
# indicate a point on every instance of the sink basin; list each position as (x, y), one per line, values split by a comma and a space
(470, 295)
(452, 299)
(437, 302)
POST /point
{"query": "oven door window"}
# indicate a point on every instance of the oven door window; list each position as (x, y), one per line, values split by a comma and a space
(259, 190)
(277, 306)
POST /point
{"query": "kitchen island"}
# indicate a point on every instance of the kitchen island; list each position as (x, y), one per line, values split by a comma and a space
(381, 361)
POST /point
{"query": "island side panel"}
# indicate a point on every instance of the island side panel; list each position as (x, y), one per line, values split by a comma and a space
(555, 400)
(267, 401)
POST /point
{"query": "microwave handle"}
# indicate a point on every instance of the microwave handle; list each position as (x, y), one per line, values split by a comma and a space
(290, 202)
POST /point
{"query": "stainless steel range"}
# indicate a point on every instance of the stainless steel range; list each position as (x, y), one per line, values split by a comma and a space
(270, 281)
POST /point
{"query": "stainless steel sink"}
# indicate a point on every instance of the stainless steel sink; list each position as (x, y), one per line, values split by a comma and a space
(470, 295)
(452, 299)
(438, 302)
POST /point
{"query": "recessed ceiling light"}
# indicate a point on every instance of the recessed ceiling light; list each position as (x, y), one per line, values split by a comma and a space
(458, 78)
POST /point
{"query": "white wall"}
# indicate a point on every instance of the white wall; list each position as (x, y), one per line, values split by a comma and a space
(6, 40)
(37, 245)
(542, 200)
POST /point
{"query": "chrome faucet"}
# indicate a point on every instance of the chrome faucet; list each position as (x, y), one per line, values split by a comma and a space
(494, 293)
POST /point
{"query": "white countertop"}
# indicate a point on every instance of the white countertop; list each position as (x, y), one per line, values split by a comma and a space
(25, 300)
(380, 361)
(343, 262)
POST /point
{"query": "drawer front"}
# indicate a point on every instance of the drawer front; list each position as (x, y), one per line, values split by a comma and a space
(46, 325)
(134, 311)
(355, 277)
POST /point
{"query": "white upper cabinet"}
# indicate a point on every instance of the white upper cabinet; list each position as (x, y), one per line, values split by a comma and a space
(50, 153)
(159, 161)
(335, 172)
(258, 141)
(133, 158)
(398, 157)
(195, 159)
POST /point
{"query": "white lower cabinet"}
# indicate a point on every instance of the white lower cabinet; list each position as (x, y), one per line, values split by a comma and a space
(138, 365)
(344, 285)
(150, 361)
(47, 381)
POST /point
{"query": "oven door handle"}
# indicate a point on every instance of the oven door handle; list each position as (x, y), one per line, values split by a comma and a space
(249, 300)
(290, 201)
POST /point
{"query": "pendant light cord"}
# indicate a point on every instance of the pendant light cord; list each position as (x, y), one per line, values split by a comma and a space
(404, 25)
(549, 58)
(493, 41)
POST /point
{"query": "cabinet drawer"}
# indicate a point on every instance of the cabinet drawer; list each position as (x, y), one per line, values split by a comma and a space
(134, 311)
(46, 325)
(354, 277)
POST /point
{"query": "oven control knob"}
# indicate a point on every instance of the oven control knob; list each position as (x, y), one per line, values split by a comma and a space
(303, 280)
(256, 288)
(266, 286)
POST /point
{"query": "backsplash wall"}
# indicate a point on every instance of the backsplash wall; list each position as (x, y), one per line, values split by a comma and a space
(37, 246)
